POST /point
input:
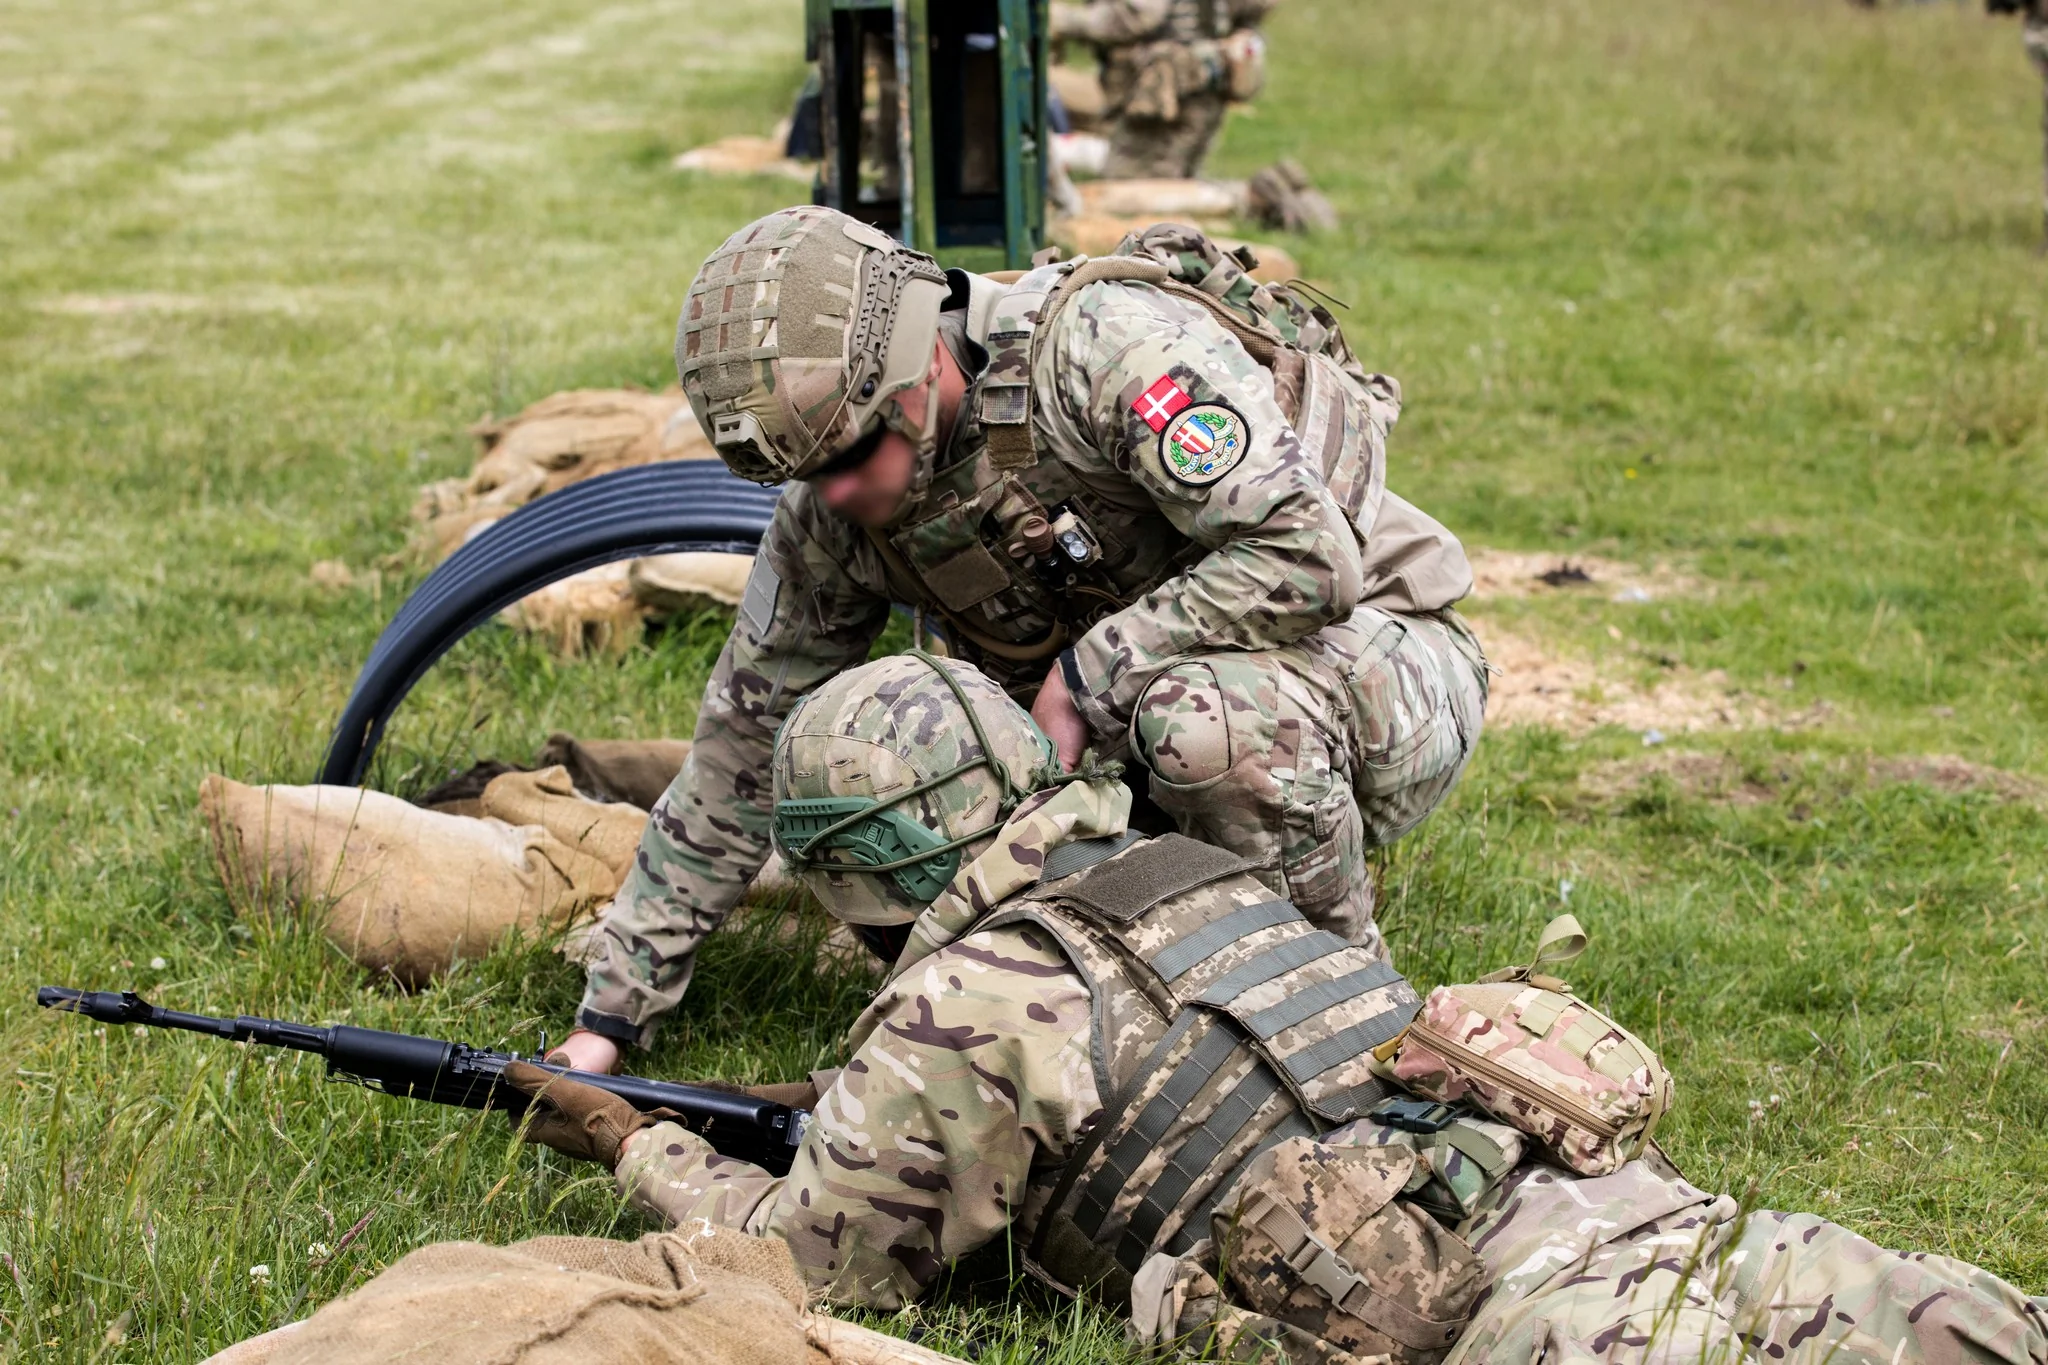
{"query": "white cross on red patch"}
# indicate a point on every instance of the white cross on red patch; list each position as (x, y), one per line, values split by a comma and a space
(1157, 405)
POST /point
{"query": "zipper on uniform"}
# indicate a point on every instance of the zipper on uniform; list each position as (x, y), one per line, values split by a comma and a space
(1458, 1056)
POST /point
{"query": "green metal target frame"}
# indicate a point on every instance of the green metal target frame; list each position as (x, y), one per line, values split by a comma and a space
(933, 119)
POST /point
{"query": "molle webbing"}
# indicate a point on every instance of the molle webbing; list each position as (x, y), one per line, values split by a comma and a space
(1296, 952)
(1184, 956)
(1319, 997)
(1218, 1085)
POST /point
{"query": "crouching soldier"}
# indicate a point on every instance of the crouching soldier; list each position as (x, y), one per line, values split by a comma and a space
(1146, 494)
(1168, 1086)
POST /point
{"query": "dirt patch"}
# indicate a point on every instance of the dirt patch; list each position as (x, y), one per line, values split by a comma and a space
(1517, 573)
(1713, 777)
(1720, 778)
(1536, 686)
(1948, 773)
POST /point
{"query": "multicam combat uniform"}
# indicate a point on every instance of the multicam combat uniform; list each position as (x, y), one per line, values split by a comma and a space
(1092, 1054)
(1170, 70)
(979, 1082)
(1264, 622)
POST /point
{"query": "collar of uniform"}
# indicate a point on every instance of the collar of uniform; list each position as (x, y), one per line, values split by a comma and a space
(1058, 815)
(965, 441)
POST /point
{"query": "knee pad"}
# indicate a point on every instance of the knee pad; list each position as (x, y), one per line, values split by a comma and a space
(1180, 727)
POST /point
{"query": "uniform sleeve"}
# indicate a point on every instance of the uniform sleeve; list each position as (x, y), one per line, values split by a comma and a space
(1110, 22)
(806, 615)
(1156, 385)
(975, 1067)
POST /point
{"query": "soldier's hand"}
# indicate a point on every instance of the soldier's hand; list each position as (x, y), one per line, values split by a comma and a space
(1056, 715)
(576, 1119)
(583, 1050)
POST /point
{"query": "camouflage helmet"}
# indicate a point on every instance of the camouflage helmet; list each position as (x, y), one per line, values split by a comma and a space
(797, 332)
(884, 776)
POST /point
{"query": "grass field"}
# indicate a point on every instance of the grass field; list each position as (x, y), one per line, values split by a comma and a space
(1745, 288)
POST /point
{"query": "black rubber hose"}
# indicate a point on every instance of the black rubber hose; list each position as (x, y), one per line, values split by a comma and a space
(649, 510)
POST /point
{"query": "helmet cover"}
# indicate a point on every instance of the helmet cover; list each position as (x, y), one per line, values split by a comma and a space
(888, 773)
(797, 332)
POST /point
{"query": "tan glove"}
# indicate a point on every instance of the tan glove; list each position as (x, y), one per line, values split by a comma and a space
(576, 1119)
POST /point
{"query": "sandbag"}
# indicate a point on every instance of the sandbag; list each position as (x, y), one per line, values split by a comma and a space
(715, 1297)
(590, 613)
(563, 439)
(399, 889)
(636, 771)
(607, 831)
(673, 585)
(722, 1299)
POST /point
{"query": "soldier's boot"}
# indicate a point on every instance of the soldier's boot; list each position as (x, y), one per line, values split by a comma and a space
(1245, 753)
(1282, 196)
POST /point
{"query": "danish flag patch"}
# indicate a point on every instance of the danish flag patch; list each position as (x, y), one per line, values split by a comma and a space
(1157, 405)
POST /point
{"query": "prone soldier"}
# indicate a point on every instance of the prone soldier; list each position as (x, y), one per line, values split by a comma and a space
(1161, 1081)
(1156, 509)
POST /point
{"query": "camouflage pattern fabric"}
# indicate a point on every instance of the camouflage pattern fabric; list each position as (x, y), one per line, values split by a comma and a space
(1259, 559)
(1165, 81)
(900, 727)
(1143, 148)
(971, 1072)
(972, 1081)
(1641, 1266)
(1299, 760)
(1388, 1279)
(1589, 1090)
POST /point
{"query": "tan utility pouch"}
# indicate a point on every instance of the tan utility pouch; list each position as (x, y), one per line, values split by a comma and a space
(1315, 1236)
(1522, 1047)
(1244, 65)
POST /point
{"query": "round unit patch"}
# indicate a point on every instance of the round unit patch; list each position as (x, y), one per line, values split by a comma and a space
(1203, 443)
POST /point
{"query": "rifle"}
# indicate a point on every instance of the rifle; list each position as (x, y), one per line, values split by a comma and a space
(736, 1125)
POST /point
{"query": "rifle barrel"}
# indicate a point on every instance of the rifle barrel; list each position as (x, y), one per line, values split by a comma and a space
(404, 1064)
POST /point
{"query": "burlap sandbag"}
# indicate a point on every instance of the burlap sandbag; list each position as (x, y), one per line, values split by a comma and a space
(562, 439)
(717, 1297)
(673, 585)
(635, 771)
(400, 889)
(608, 832)
(590, 613)
(728, 1299)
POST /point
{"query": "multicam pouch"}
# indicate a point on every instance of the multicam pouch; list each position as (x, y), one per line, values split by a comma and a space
(1459, 1156)
(1317, 1237)
(1522, 1047)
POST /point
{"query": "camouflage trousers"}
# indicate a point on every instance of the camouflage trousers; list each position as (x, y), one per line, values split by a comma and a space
(1149, 148)
(1301, 760)
(1644, 1267)
(1641, 1267)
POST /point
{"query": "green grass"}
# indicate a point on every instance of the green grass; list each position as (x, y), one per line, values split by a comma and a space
(262, 261)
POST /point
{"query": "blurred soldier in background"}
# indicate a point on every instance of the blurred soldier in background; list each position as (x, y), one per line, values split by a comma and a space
(1169, 70)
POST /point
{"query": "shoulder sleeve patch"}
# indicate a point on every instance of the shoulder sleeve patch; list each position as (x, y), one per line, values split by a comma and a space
(1157, 405)
(764, 588)
(1203, 442)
